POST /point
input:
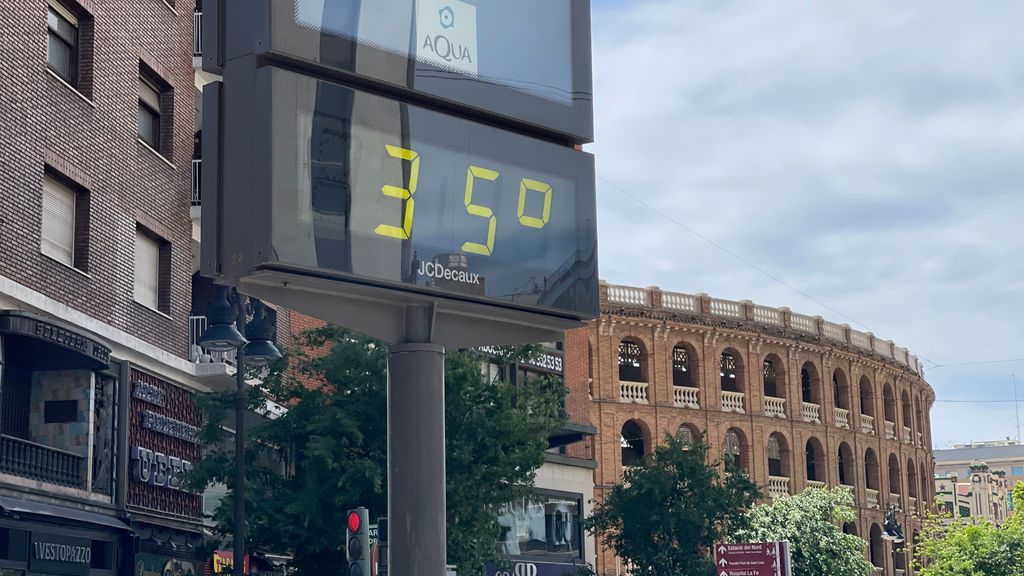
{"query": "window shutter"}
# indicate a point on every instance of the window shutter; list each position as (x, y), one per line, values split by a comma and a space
(58, 235)
(147, 269)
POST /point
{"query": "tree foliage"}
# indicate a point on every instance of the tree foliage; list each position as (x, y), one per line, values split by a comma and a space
(811, 522)
(333, 443)
(949, 547)
(668, 512)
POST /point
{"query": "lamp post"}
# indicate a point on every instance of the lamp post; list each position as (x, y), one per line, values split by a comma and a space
(222, 336)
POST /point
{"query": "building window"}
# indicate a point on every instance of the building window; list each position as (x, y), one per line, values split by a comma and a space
(65, 223)
(727, 373)
(768, 371)
(1017, 471)
(548, 525)
(152, 270)
(62, 42)
(631, 361)
(681, 367)
(149, 112)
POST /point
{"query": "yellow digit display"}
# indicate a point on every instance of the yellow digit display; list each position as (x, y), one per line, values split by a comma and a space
(537, 186)
(472, 174)
(405, 194)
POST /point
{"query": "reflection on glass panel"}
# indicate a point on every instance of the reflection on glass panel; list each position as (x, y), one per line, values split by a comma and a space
(541, 525)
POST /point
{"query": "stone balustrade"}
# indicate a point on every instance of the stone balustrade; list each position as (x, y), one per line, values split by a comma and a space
(733, 402)
(780, 317)
(775, 407)
(890, 430)
(842, 418)
(778, 486)
(867, 424)
(913, 505)
(815, 484)
(897, 500)
(685, 397)
(633, 392)
(873, 501)
(906, 435)
(811, 412)
(920, 439)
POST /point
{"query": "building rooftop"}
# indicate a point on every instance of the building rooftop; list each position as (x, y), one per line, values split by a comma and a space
(983, 453)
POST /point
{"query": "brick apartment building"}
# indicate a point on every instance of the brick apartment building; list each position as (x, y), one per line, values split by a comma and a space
(798, 400)
(98, 414)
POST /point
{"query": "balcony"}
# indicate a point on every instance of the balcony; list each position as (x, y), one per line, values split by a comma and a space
(197, 34)
(811, 412)
(43, 463)
(897, 500)
(199, 355)
(842, 418)
(900, 571)
(920, 439)
(774, 407)
(877, 571)
(197, 173)
(890, 430)
(873, 501)
(906, 435)
(913, 505)
(867, 424)
(633, 392)
(778, 486)
(685, 397)
(815, 484)
(733, 402)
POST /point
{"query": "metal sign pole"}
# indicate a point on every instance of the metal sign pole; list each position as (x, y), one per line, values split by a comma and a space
(416, 451)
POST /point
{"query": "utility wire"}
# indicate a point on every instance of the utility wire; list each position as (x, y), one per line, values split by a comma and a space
(776, 279)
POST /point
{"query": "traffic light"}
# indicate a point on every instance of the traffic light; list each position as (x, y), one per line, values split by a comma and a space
(358, 548)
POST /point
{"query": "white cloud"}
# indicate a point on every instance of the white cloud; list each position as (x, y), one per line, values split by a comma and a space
(867, 153)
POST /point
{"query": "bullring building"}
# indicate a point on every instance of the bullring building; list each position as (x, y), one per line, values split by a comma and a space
(799, 402)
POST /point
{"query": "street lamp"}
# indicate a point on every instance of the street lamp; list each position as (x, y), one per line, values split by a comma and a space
(221, 336)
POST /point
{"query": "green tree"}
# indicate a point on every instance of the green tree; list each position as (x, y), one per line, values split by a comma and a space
(668, 512)
(334, 444)
(811, 522)
(955, 548)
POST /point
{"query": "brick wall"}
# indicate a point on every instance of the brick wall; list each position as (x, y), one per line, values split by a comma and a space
(45, 121)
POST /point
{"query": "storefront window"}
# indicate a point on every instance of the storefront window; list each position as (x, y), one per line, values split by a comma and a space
(542, 525)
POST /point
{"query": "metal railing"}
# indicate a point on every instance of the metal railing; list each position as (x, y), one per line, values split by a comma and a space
(38, 462)
(733, 402)
(633, 392)
(775, 407)
(686, 397)
(197, 33)
(197, 178)
(196, 353)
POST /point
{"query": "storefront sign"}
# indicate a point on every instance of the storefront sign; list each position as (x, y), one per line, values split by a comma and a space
(533, 569)
(158, 469)
(170, 426)
(223, 562)
(153, 565)
(148, 393)
(53, 554)
(16, 322)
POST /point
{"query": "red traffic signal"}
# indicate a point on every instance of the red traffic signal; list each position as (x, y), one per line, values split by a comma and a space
(354, 521)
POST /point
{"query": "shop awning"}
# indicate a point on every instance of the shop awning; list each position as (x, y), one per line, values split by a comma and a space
(19, 506)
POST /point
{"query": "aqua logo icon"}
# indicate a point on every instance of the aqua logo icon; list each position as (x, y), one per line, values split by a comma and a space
(447, 17)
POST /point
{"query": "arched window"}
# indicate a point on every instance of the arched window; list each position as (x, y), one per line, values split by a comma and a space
(889, 399)
(815, 456)
(730, 372)
(840, 389)
(877, 547)
(631, 361)
(773, 385)
(810, 384)
(867, 397)
(908, 415)
(850, 528)
(778, 464)
(681, 374)
(845, 464)
(633, 444)
(895, 482)
(871, 478)
(687, 434)
(912, 483)
(735, 448)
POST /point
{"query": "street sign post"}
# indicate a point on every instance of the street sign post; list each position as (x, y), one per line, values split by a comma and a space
(757, 559)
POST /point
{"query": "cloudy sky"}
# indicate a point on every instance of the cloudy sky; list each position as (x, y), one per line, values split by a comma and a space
(868, 154)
